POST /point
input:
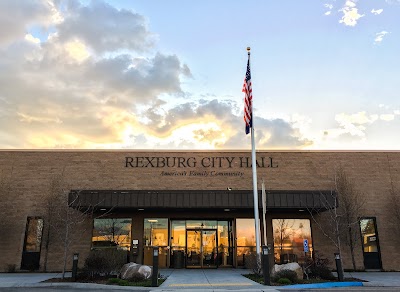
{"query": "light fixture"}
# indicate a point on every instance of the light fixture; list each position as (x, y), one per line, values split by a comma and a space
(301, 210)
(227, 210)
(228, 188)
(140, 209)
(103, 209)
(152, 220)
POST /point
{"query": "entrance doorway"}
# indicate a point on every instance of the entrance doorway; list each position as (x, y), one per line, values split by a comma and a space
(201, 243)
(370, 243)
(201, 248)
(32, 244)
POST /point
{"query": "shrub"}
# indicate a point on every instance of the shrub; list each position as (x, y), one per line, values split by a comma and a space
(318, 267)
(104, 262)
(323, 273)
(288, 274)
(284, 281)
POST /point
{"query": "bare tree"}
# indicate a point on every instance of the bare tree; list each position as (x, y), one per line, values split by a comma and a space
(65, 215)
(339, 223)
(283, 229)
(351, 204)
(330, 221)
(112, 230)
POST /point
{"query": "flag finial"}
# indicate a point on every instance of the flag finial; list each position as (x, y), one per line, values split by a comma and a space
(248, 51)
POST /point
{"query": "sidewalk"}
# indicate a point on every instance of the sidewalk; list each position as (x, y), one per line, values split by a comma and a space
(183, 280)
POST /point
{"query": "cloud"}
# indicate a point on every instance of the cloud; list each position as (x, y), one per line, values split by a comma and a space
(356, 126)
(329, 7)
(214, 124)
(379, 36)
(17, 16)
(387, 117)
(104, 28)
(64, 92)
(376, 12)
(350, 13)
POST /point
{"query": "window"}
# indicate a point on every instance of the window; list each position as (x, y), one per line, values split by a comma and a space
(245, 237)
(289, 236)
(156, 231)
(33, 235)
(112, 232)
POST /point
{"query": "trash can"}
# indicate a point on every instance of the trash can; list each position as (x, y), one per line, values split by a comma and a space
(178, 259)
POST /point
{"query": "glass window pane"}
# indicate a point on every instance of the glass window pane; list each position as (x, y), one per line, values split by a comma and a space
(112, 232)
(368, 235)
(156, 231)
(289, 236)
(178, 237)
(245, 232)
(33, 234)
(205, 224)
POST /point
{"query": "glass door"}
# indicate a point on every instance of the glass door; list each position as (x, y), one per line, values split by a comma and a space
(201, 248)
(209, 241)
(193, 249)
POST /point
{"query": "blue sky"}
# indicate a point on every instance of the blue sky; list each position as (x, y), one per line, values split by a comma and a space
(168, 74)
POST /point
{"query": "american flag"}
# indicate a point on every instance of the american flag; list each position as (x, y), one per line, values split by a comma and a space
(248, 99)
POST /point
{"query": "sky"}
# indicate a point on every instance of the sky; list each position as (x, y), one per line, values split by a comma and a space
(122, 74)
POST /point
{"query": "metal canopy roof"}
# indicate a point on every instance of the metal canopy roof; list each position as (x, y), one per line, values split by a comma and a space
(315, 200)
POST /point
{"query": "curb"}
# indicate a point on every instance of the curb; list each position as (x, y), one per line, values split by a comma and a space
(76, 286)
(324, 285)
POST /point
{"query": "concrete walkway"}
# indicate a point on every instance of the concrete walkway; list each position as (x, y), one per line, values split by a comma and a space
(210, 280)
(189, 280)
(377, 279)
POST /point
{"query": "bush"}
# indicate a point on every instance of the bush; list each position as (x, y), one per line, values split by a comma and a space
(323, 273)
(104, 262)
(284, 281)
(288, 274)
(318, 267)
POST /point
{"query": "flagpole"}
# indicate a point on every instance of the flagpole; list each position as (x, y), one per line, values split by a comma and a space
(254, 168)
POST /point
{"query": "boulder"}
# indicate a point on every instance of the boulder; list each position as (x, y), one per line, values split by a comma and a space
(135, 271)
(290, 266)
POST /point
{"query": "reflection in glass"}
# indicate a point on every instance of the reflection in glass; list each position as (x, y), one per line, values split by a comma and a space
(201, 248)
(225, 256)
(289, 235)
(33, 238)
(112, 232)
(245, 234)
(206, 224)
(368, 234)
(156, 234)
(156, 231)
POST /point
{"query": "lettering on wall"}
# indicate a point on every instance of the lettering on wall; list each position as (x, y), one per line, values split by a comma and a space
(232, 165)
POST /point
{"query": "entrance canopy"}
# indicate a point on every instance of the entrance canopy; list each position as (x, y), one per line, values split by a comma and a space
(200, 199)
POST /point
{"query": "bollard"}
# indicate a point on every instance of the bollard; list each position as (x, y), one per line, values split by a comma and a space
(75, 266)
(339, 267)
(265, 265)
(154, 276)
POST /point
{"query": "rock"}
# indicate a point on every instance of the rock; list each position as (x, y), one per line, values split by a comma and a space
(290, 266)
(135, 271)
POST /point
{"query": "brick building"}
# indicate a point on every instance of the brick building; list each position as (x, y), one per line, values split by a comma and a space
(196, 206)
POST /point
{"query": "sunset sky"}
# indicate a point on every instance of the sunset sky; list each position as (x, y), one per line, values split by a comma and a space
(168, 74)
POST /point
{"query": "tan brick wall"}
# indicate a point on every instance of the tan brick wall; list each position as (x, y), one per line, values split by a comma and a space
(30, 173)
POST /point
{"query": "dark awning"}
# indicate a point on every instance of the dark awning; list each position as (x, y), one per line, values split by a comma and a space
(177, 199)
